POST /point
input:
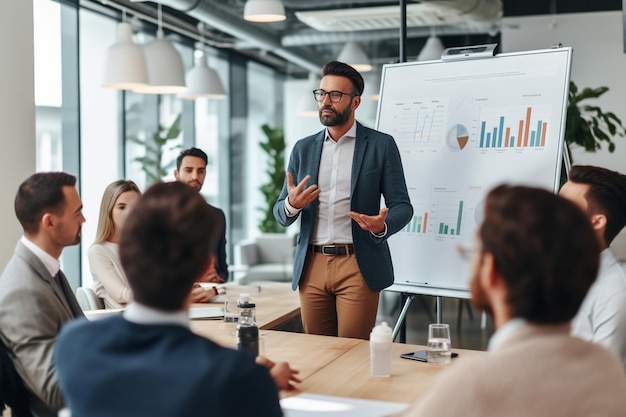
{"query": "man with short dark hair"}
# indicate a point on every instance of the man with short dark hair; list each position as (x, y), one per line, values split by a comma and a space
(535, 259)
(334, 184)
(191, 170)
(601, 194)
(35, 297)
(148, 362)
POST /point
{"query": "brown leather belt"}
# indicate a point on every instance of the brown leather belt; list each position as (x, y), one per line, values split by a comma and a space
(333, 250)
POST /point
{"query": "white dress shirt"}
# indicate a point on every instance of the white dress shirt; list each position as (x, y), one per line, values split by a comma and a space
(52, 264)
(142, 314)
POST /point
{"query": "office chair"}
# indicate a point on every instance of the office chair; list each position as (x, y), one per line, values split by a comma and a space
(13, 393)
(88, 300)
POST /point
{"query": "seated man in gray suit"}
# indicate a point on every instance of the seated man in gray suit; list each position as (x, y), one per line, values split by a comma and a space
(35, 297)
(535, 259)
(148, 362)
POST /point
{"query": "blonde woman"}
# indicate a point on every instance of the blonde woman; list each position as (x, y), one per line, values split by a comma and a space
(109, 280)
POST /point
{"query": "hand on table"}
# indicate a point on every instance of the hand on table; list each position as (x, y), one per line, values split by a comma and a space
(283, 375)
(200, 294)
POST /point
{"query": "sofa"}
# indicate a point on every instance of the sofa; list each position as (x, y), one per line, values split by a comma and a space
(268, 257)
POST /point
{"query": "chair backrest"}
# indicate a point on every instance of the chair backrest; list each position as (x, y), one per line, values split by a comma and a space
(13, 393)
(88, 300)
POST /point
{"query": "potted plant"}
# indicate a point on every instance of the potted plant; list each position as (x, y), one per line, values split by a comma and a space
(152, 161)
(588, 125)
(274, 147)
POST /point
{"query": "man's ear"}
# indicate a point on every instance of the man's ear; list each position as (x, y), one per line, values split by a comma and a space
(489, 273)
(47, 222)
(176, 174)
(356, 102)
(598, 221)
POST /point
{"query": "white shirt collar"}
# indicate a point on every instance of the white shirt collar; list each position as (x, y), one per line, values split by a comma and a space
(51, 263)
(504, 333)
(351, 133)
(142, 314)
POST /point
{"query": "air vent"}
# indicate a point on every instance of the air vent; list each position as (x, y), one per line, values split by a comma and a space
(433, 13)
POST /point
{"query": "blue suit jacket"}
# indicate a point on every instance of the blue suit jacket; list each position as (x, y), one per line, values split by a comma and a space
(376, 170)
(112, 367)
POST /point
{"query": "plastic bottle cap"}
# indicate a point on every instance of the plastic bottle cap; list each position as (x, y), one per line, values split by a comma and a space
(245, 297)
(381, 333)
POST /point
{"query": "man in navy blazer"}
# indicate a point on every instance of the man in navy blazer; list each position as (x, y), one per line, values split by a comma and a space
(334, 183)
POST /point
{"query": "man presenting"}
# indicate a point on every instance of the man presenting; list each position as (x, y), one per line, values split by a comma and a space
(35, 297)
(601, 194)
(536, 256)
(334, 183)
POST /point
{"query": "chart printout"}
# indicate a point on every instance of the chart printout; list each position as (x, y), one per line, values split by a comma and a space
(463, 127)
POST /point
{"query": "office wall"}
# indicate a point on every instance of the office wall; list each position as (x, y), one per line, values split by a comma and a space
(17, 115)
(598, 60)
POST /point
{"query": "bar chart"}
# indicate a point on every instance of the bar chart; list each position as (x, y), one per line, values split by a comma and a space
(418, 224)
(449, 217)
(519, 127)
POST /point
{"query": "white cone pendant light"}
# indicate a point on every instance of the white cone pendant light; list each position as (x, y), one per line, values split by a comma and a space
(432, 49)
(166, 73)
(264, 11)
(203, 82)
(125, 64)
(353, 55)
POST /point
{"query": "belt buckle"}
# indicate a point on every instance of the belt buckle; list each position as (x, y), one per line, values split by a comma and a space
(324, 247)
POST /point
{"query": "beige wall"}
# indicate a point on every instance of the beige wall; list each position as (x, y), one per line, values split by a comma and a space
(17, 115)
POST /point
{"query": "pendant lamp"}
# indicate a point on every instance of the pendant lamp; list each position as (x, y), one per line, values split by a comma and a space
(353, 55)
(166, 72)
(124, 64)
(203, 81)
(264, 11)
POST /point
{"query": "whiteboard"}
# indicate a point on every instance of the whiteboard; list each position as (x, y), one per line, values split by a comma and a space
(463, 127)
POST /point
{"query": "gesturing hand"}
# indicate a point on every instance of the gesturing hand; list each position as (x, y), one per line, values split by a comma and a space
(298, 195)
(374, 224)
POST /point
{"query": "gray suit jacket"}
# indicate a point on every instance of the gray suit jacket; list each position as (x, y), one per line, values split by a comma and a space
(32, 310)
(376, 170)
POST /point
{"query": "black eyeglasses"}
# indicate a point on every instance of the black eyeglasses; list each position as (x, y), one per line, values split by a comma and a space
(335, 96)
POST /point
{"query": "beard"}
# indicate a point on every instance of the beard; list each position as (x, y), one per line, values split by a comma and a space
(337, 119)
(479, 298)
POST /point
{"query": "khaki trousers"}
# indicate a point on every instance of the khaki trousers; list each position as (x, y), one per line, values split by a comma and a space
(334, 298)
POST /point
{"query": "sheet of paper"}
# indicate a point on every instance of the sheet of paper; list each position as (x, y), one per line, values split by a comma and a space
(100, 314)
(312, 405)
(206, 313)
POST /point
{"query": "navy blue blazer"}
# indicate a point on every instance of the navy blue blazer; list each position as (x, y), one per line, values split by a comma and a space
(376, 170)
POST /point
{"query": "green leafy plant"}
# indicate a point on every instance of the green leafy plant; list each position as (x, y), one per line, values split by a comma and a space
(152, 161)
(274, 147)
(588, 125)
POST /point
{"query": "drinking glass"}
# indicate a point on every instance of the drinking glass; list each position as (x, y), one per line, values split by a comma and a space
(231, 315)
(439, 346)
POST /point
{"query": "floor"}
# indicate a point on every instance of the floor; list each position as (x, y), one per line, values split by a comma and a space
(466, 333)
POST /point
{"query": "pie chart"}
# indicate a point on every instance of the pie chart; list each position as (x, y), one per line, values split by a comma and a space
(458, 137)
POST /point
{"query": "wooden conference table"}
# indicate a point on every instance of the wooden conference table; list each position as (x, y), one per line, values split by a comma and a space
(328, 365)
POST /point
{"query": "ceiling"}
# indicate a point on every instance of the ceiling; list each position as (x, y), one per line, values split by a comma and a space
(316, 30)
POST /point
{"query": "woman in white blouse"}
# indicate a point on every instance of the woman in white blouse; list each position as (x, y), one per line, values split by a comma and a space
(109, 280)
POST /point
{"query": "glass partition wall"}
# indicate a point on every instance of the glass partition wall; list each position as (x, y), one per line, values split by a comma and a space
(87, 130)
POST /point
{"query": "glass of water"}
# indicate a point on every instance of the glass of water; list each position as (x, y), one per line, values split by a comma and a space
(231, 315)
(439, 346)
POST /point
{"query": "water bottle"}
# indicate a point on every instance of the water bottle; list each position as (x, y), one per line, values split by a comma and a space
(247, 330)
(380, 350)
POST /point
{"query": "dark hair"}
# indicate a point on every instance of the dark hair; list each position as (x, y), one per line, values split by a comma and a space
(191, 152)
(606, 194)
(545, 249)
(39, 194)
(345, 70)
(165, 244)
